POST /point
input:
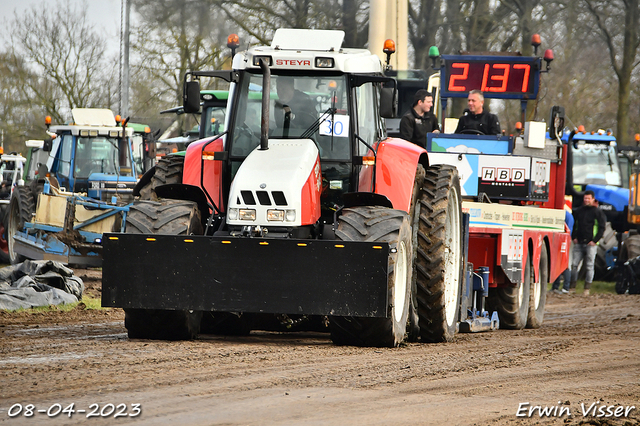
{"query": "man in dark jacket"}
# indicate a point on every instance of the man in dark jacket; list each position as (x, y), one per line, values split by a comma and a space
(477, 120)
(419, 120)
(588, 228)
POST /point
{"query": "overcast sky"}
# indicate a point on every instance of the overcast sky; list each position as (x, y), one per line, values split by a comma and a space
(102, 13)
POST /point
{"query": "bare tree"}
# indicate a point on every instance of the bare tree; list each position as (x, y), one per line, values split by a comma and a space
(64, 57)
(616, 21)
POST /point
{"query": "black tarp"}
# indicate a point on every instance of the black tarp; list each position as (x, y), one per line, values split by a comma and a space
(38, 283)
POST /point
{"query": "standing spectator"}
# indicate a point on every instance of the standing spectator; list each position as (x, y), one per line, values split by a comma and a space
(419, 120)
(476, 119)
(588, 228)
(566, 275)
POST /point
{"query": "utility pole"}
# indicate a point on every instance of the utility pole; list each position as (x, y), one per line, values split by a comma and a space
(124, 59)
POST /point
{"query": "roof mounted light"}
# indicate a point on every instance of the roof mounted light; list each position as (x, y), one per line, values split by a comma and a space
(268, 59)
(324, 63)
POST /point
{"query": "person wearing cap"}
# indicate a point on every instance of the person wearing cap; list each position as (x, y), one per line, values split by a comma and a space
(476, 120)
(419, 120)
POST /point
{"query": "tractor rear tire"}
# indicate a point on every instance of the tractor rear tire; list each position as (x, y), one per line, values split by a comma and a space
(169, 217)
(439, 254)
(382, 225)
(512, 303)
(168, 170)
(4, 232)
(538, 290)
(21, 209)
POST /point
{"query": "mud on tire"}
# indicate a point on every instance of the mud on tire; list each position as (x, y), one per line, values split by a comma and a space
(439, 254)
(383, 225)
(173, 217)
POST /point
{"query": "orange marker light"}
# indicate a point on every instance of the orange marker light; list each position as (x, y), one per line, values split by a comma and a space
(389, 46)
(47, 120)
(518, 126)
(233, 41)
(581, 129)
(118, 118)
(535, 40)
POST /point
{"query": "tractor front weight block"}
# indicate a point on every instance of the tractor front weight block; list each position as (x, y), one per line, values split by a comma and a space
(256, 275)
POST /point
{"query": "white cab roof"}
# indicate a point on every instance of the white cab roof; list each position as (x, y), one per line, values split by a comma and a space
(297, 39)
(93, 117)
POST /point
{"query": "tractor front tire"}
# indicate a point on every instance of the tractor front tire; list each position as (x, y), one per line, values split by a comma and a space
(378, 224)
(21, 209)
(439, 254)
(538, 290)
(169, 217)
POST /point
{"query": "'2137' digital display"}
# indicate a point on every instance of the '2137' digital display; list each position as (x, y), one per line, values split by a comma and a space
(495, 76)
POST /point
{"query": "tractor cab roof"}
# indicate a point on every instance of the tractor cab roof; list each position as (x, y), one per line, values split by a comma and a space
(309, 50)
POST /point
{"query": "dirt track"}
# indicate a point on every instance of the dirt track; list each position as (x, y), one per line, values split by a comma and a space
(588, 350)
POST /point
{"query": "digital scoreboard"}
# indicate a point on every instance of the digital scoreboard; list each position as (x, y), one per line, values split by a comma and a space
(502, 77)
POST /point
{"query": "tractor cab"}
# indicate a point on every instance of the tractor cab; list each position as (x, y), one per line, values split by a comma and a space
(324, 109)
(92, 155)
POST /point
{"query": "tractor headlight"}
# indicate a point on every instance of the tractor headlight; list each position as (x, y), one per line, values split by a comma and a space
(290, 216)
(275, 215)
(247, 214)
(233, 214)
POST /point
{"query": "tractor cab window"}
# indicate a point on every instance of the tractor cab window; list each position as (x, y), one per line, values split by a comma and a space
(301, 107)
(595, 164)
(64, 162)
(213, 120)
(100, 155)
(367, 116)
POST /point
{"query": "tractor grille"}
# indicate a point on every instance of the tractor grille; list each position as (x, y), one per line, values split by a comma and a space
(264, 198)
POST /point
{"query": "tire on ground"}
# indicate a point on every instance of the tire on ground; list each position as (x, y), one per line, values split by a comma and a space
(169, 217)
(538, 290)
(382, 225)
(168, 170)
(512, 303)
(4, 231)
(21, 209)
(439, 254)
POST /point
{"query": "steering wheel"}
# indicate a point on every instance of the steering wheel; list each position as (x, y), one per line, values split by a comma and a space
(472, 132)
(245, 141)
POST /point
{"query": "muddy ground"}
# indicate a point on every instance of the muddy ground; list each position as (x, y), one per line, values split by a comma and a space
(588, 351)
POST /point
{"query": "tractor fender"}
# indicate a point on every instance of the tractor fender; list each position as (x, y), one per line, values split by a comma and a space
(396, 164)
(181, 191)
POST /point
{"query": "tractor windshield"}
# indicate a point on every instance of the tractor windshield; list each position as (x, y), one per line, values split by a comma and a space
(301, 107)
(595, 164)
(101, 155)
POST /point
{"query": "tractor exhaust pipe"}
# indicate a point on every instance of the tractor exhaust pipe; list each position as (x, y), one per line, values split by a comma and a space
(266, 94)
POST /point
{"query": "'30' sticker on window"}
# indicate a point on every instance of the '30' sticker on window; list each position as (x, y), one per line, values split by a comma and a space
(338, 125)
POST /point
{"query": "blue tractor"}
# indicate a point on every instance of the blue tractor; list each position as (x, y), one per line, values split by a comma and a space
(593, 165)
(81, 191)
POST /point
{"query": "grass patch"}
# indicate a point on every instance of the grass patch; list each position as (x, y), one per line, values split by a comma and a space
(87, 303)
(602, 287)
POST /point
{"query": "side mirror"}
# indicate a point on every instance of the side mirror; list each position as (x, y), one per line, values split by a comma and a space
(388, 102)
(47, 145)
(191, 97)
(556, 122)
